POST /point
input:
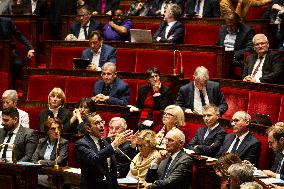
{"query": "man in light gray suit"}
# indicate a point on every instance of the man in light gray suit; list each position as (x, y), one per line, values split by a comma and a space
(173, 167)
(24, 139)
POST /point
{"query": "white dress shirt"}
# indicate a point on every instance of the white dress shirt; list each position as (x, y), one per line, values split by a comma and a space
(168, 28)
(241, 140)
(9, 149)
(96, 59)
(259, 71)
(197, 105)
(81, 36)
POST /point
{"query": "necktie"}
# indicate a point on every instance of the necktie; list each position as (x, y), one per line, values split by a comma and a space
(6, 146)
(166, 171)
(106, 90)
(234, 149)
(257, 67)
(85, 32)
(202, 98)
(103, 6)
(278, 170)
(207, 133)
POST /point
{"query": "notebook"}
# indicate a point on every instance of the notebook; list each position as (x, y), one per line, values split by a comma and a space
(263, 119)
(140, 36)
(80, 63)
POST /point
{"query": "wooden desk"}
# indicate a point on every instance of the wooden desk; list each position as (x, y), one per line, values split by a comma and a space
(13, 176)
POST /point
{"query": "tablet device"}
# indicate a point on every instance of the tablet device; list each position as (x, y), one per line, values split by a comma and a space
(263, 119)
(80, 63)
(140, 36)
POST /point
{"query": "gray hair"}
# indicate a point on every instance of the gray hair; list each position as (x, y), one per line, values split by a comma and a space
(119, 119)
(10, 94)
(110, 65)
(251, 185)
(259, 35)
(201, 73)
(241, 172)
(245, 115)
(178, 133)
(213, 106)
(178, 113)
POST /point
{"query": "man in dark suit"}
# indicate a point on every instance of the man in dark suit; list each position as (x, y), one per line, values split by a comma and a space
(170, 30)
(100, 8)
(173, 167)
(96, 156)
(208, 139)
(23, 138)
(276, 143)
(236, 37)
(263, 66)
(159, 6)
(98, 53)
(241, 141)
(118, 125)
(81, 30)
(111, 90)
(202, 8)
(193, 96)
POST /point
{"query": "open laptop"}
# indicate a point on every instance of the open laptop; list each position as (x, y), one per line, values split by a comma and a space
(140, 36)
(263, 119)
(80, 63)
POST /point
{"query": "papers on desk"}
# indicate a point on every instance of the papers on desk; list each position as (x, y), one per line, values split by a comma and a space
(210, 158)
(268, 181)
(259, 174)
(73, 170)
(127, 180)
(192, 152)
(28, 163)
(188, 151)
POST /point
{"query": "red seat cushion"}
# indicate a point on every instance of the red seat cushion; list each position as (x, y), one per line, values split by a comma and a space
(132, 83)
(71, 156)
(4, 82)
(62, 57)
(126, 60)
(266, 155)
(201, 34)
(79, 87)
(264, 103)
(189, 130)
(256, 12)
(39, 86)
(33, 116)
(237, 101)
(281, 112)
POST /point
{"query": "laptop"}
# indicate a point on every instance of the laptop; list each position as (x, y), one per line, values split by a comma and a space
(140, 36)
(79, 63)
(263, 119)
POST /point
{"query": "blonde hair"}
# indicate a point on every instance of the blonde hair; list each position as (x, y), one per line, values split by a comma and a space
(59, 92)
(178, 114)
(149, 137)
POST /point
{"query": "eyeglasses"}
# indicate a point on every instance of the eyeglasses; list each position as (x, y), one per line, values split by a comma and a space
(166, 114)
(234, 120)
(98, 122)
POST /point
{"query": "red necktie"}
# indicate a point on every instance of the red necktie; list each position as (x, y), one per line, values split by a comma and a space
(257, 67)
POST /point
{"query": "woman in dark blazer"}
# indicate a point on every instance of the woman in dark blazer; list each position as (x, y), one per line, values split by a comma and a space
(152, 96)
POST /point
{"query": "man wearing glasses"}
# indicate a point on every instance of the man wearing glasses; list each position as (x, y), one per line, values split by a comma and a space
(111, 90)
(241, 141)
(263, 66)
(96, 156)
(98, 53)
(81, 29)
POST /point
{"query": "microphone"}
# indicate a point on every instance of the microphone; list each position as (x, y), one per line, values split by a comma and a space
(56, 166)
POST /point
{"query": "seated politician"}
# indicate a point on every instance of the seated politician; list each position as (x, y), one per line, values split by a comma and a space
(84, 107)
(263, 66)
(111, 90)
(208, 139)
(117, 29)
(84, 26)
(170, 29)
(13, 133)
(56, 109)
(241, 141)
(159, 6)
(98, 53)
(154, 96)
(140, 8)
(200, 92)
(118, 125)
(146, 142)
(9, 100)
(96, 156)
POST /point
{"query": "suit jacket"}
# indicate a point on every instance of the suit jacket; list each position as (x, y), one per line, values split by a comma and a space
(41, 7)
(277, 161)
(157, 5)
(119, 92)
(63, 114)
(93, 164)
(211, 8)
(160, 102)
(110, 5)
(179, 174)
(177, 30)
(243, 41)
(212, 143)
(41, 148)
(185, 97)
(8, 30)
(94, 25)
(249, 149)
(272, 70)
(25, 141)
(108, 54)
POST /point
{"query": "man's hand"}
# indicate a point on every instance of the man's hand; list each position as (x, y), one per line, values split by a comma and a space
(109, 13)
(163, 154)
(189, 111)
(269, 173)
(171, 37)
(121, 138)
(70, 37)
(93, 66)
(156, 87)
(100, 98)
(95, 13)
(249, 78)
(31, 53)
